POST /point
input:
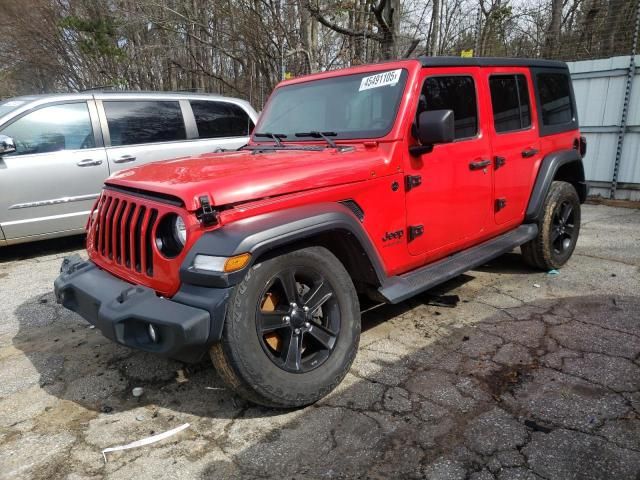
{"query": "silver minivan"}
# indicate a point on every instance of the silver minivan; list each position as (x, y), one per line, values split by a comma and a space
(56, 150)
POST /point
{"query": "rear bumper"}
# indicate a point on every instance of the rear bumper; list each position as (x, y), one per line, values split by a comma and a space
(123, 312)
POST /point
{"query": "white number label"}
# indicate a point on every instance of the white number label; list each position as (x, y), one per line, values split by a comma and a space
(380, 79)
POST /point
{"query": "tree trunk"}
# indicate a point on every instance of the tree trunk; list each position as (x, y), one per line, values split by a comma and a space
(552, 37)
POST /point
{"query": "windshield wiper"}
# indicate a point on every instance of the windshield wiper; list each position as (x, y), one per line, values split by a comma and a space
(275, 136)
(323, 135)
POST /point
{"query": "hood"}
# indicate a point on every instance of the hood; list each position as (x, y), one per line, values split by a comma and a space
(233, 177)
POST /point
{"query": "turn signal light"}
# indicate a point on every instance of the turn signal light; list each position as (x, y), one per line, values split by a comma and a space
(233, 264)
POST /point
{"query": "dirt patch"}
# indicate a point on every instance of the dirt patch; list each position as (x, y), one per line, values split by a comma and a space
(508, 378)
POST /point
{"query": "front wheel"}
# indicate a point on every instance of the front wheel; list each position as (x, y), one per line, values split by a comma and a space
(291, 331)
(558, 229)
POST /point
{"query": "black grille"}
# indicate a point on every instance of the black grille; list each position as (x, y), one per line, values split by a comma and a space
(123, 233)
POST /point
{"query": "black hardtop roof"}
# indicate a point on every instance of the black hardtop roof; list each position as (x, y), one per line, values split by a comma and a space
(489, 62)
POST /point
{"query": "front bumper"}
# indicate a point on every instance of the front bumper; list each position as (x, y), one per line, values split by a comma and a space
(123, 312)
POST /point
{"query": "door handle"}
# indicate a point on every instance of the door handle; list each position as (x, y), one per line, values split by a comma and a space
(89, 162)
(530, 152)
(124, 159)
(479, 165)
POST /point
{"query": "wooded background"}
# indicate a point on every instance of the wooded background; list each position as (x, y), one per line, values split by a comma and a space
(243, 48)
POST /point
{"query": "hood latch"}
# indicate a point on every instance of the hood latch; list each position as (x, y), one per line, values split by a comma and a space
(207, 215)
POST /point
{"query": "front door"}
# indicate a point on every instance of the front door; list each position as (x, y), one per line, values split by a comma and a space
(51, 181)
(450, 202)
(516, 149)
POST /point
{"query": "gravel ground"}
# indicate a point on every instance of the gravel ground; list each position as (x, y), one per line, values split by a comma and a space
(531, 376)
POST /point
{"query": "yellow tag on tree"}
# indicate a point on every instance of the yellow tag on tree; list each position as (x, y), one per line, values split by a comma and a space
(466, 53)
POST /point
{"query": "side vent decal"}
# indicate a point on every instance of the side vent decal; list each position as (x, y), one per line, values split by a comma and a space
(354, 207)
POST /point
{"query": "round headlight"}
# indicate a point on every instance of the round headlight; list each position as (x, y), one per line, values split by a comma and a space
(180, 230)
(171, 235)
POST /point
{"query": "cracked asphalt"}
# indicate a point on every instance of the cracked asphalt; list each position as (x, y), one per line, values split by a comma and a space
(530, 376)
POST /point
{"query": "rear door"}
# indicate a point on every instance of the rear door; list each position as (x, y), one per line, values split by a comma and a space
(140, 131)
(514, 139)
(50, 183)
(452, 202)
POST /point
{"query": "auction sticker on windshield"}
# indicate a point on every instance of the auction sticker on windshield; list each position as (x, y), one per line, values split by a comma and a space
(380, 79)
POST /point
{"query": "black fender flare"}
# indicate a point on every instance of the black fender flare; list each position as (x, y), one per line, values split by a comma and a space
(263, 233)
(549, 168)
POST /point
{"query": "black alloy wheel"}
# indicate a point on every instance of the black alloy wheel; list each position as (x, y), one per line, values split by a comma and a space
(298, 319)
(563, 228)
(291, 329)
(558, 229)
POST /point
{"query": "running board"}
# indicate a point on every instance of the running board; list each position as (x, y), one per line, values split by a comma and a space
(399, 288)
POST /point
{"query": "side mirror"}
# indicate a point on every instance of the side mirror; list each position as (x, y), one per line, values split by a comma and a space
(7, 145)
(434, 126)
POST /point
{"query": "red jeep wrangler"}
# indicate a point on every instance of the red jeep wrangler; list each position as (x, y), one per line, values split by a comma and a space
(381, 181)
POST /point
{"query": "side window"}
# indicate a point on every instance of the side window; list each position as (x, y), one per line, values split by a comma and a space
(555, 98)
(510, 102)
(220, 119)
(144, 121)
(51, 129)
(455, 93)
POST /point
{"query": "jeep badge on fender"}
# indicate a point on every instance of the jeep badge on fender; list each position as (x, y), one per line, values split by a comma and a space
(259, 257)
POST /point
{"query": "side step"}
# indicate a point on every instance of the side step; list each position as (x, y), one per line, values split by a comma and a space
(399, 288)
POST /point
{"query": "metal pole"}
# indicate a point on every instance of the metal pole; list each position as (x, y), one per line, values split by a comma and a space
(283, 72)
(625, 106)
(476, 51)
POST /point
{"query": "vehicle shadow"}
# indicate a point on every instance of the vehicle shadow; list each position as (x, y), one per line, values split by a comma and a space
(76, 362)
(511, 263)
(473, 399)
(25, 251)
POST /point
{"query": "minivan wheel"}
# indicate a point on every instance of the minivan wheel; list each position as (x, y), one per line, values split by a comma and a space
(291, 331)
(558, 229)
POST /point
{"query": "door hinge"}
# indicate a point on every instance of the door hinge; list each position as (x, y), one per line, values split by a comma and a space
(500, 203)
(415, 231)
(412, 181)
(499, 162)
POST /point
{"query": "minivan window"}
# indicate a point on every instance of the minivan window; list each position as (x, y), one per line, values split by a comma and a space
(555, 98)
(457, 93)
(144, 121)
(510, 102)
(220, 119)
(51, 129)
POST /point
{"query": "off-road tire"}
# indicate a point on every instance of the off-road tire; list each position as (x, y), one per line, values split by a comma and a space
(540, 252)
(240, 359)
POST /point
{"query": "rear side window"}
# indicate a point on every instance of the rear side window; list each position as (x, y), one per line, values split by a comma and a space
(220, 119)
(555, 98)
(457, 93)
(132, 123)
(510, 102)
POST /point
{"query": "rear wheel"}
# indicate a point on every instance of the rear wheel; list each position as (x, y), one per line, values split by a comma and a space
(558, 229)
(291, 330)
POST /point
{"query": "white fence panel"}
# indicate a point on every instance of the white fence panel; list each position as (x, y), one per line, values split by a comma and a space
(600, 93)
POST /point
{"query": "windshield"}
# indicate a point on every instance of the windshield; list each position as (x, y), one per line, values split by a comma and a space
(351, 106)
(9, 105)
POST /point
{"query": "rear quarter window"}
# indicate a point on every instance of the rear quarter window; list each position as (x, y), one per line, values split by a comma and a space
(555, 101)
(220, 119)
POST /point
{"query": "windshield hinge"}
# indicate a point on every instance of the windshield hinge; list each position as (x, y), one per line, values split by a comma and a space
(207, 215)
